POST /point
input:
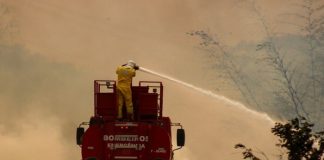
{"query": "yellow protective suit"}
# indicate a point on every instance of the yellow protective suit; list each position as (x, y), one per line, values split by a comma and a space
(124, 92)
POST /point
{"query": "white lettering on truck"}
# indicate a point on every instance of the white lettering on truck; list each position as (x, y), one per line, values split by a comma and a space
(125, 141)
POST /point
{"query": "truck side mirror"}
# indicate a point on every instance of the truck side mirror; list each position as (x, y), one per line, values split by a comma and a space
(79, 135)
(181, 137)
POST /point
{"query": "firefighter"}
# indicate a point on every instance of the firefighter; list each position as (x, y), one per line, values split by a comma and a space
(125, 74)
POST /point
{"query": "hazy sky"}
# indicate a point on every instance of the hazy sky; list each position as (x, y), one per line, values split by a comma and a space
(93, 34)
(68, 43)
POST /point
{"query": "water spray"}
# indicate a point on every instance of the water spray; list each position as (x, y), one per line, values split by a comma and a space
(207, 92)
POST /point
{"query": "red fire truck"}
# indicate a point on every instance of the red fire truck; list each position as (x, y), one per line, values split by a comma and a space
(147, 137)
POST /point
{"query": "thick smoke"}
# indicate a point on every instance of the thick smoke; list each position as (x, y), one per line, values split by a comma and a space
(214, 126)
(39, 137)
(47, 91)
(41, 101)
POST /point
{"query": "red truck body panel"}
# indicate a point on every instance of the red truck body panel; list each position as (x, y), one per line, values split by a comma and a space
(148, 137)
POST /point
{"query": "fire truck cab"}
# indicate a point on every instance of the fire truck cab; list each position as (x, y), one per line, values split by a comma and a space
(147, 137)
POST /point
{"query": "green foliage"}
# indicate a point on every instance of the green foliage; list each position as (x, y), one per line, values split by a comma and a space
(297, 137)
(247, 153)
